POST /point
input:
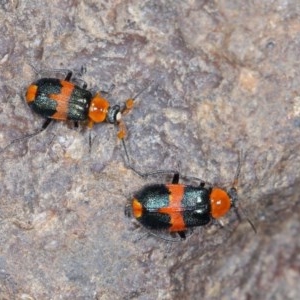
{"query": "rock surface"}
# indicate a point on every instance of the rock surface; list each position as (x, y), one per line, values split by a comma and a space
(224, 78)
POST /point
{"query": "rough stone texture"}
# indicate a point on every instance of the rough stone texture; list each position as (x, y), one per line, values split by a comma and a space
(225, 78)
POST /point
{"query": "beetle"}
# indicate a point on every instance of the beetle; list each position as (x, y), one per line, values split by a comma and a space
(62, 100)
(178, 207)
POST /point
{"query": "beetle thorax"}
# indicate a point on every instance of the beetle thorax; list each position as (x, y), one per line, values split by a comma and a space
(98, 109)
(220, 202)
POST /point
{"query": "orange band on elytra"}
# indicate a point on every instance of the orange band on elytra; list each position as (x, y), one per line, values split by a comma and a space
(174, 209)
(62, 99)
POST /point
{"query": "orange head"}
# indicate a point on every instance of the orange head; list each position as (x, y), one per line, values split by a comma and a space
(101, 111)
(220, 202)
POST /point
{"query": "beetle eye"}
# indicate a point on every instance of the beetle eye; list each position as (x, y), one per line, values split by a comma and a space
(113, 114)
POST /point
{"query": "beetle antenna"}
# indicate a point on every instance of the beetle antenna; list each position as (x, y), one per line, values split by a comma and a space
(126, 152)
(130, 102)
(143, 90)
(239, 208)
(238, 170)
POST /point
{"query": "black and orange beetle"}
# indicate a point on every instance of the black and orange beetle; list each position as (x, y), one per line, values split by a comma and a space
(56, 99)
(63, 100)
(177, 207)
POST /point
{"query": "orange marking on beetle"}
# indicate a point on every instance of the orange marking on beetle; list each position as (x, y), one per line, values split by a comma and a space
(220, 203)
(137, 208)
(62, 99)
(90, 124)
(31, 93)
(122, 130)
(174, 209)
(98, 109)
(129, 103)
(128, 106)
